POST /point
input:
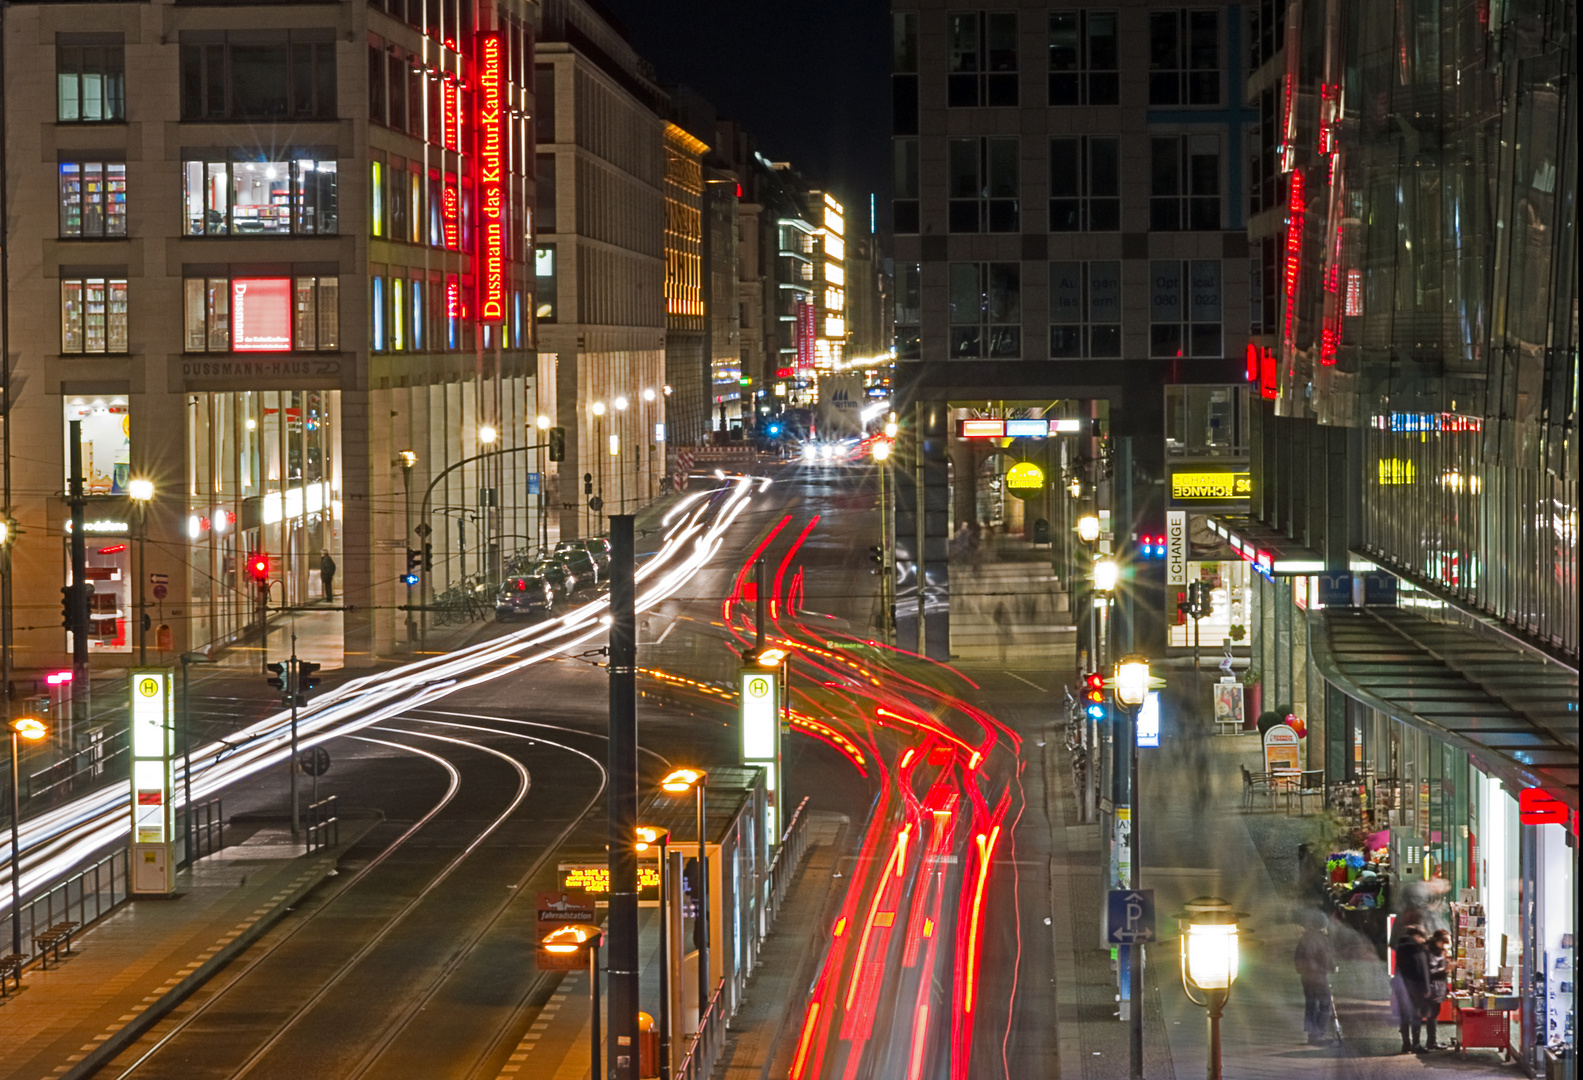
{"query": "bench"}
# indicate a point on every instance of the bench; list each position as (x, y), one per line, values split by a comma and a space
(51, 940)
(11, 964)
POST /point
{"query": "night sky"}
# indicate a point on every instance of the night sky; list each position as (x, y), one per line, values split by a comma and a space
(809, 79)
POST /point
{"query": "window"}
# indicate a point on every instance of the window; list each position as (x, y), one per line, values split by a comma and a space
(544, 99)
(983, 185)
(1264, 295)
(904, 153)
(1085, 184)
(909, 310)
(986, 310)
(1184, 58)
(1083, 60)
(982, 58)
(261, 314)
(269, 75)
(1085, 309)
(544, 270)
(904, 43)
(377, 313)
(1184, 182)
(90, 82)
(1266, 189)
(260, 198)
(93, 315)
(1184, 308)
(92, 198)
(546, 193)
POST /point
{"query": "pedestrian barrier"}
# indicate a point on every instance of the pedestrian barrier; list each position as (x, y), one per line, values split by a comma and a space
(710, 1040)
(324, 824)
(82, 899)
(203, 826)
(788, 857)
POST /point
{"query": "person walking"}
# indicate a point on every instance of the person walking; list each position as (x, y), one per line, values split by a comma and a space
(1438, 954)
(1410, 988)
(327, 576)
(1314, 962)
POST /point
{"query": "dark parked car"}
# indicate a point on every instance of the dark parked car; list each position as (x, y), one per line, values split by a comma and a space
(598, 549)
(578, 561)
(524, 594)
(558, 574)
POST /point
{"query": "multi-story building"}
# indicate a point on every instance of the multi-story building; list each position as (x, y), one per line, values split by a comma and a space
(601, 262)
(259, 255)
(1414, 496)
(686, 363)
(1038, 276)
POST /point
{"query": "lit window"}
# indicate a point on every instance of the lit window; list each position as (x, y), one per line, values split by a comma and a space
(261, 314)
(92, 199)
(259, 198)
(93, 315)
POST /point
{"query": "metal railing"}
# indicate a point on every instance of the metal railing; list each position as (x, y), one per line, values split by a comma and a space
(324, 824)
(206, 833)
(788, 857)
(85, 897)
(710, 1040)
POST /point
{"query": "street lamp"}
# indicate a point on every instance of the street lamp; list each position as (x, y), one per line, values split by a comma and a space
(1132, 690)
(1132, 681)
(650, 836)
(32, 729)
(1209, 963)
(565, 940)
(1088, 528)
(487, 435)
(680, 782)
(1106, 573)
(141, 492)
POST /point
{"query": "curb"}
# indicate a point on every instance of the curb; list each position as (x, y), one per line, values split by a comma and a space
(175, 995)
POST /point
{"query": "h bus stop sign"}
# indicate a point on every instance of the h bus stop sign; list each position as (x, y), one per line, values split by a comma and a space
(1130, 918)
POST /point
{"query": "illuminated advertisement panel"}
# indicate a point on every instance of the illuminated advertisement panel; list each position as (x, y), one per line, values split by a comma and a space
(981, 429)
(451, 214)
(491, 140)
(261, 314)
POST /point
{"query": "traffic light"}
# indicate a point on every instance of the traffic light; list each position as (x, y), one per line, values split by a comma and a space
(73, 599)
(258, 568)
(557, 444)
(277, 677)
(877, 553)
(428, 558)
(1197, 605)
(307, 680)
(588, 483)
(414, 560)
(1094, 695)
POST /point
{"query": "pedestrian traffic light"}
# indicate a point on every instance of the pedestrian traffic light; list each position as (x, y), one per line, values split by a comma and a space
(307, 678)
(277, 677)
(258, 568)
(557, 444)
(588, 483)
(414, 560)
(428, 558)
(1094, 695)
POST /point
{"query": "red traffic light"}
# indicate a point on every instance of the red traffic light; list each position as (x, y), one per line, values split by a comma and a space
(1094, 681)
(258, 567)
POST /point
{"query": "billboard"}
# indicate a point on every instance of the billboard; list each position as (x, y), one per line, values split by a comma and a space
(261, 314)
(491, 172)
(840, 406)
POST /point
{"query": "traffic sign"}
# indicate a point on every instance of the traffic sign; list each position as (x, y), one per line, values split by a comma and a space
(161, 590)
(564, 907)
(1130, 918)
(314, 761)
(595, 503)
(423, 529)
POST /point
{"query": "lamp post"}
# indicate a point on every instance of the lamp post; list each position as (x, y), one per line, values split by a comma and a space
(488, 435)
(408, 459)
(886, 579)
(1209, 963)
(679, 783)
(543, 424)
(654, 835)
(599, 480)
(649, 443)
(187, 660)
(570, 939)
(31, 729)
(141, 492)
(1132, 690)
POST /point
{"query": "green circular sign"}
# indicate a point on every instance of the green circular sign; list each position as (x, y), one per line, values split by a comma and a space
(1025, 479)
(758, 687)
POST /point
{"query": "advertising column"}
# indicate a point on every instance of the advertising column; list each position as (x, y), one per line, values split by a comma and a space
(153, 746)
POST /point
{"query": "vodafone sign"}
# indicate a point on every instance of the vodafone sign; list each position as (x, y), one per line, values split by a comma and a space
(261, 314)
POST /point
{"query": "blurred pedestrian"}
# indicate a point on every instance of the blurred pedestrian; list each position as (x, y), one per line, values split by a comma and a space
(1438, 952)
(327, 575)
(1314, 962)
(1410, 988)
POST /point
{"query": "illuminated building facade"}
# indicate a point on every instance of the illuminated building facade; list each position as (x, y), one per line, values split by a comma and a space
(686, 367)
(258, 257)
(601, 264)
(828, 259)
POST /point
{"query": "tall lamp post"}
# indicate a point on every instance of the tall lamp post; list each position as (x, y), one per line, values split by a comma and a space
(141, 492)
(598, 408)
(571, 939)
(1209, 963)
(543, 531)
(655, 836)
(1132, 690)
(886, 579)
(31, 729)
(650, 444)
(488, 435)
(616, 447)
(679, 783)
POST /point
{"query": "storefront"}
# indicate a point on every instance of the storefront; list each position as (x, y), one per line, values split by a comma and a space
(1196, 554)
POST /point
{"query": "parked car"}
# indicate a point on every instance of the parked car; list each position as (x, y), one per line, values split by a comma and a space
(560, 576)
(524, 594)
(599, 551)
(578, 561)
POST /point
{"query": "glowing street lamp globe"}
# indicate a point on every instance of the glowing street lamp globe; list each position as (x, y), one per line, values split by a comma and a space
(1209, 945)
(1132, 681)
(681, 781)
(1106, 574)
(1088, 528)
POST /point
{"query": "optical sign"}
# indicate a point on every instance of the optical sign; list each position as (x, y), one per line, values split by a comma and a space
(491, 143)
(982, 429)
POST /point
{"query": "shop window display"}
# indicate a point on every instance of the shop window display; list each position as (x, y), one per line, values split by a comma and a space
(106, 444)
(260, 198)
(257, 314)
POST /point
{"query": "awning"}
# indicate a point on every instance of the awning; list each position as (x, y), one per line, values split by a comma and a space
(1268, 549)
(1513, 711)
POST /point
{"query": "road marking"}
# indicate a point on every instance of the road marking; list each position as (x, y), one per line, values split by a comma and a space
(1030, 682)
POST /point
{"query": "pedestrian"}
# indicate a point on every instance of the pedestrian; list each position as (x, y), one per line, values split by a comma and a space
(1439, 949)
(327, 575)
(1314, 962)
(1410, 988)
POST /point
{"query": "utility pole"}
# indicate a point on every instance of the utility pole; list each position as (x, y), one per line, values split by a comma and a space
(79, 575)
(622, 805)
(291, 690)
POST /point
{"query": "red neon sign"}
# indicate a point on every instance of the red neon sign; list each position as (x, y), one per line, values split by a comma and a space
(261, 314)
(491, 139)
(1536, 806)
(1296, 213)
(451, 107)
(451, 214)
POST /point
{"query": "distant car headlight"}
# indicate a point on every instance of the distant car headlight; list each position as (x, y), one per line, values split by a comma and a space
(810, 453)
(826, 451)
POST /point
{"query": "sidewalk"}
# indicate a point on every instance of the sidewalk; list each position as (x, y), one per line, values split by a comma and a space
(129, 970)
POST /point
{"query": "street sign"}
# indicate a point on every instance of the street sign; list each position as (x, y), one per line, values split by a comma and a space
(565, 907)
(595, 503)
(161, 591)
(423, 529)
(1130, 916)
(533, 483)
(314, 761)
(159, 579)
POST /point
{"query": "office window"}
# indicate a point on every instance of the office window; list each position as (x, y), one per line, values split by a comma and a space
(1083, 59)
(1184, 182)
(90, 83)
(261, 314)
(904, 43)
(92, 198)
(909, 312)
(93, 315)
(1184, 308)
(1184, 58)
(1266, 185)
(260, 198)
(548, 222)
(1085, 309)
(1085, 184)
(1264, 278)
(981, 58)
(983, 185)
(904, 155)
(290, 77)
(985, 302)
(545, 277)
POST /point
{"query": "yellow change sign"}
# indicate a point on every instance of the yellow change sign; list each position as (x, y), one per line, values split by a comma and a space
(1025, 479)
(1211, 485)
